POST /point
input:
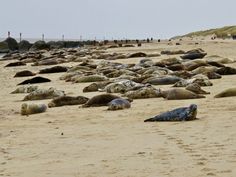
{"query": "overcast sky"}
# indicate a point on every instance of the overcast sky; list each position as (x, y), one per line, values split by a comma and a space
(113, 18)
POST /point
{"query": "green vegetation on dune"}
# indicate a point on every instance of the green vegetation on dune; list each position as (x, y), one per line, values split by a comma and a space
(219, 32)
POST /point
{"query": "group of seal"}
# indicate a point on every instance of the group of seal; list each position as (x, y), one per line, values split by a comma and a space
(131, 81)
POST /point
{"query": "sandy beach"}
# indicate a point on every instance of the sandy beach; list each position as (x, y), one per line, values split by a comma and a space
(92, 142)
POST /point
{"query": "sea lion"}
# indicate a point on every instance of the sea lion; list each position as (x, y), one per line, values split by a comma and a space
(25, 89)
(24, 73)
(226, 93)
(145, 92)
(194, 87)
(41, 94)
(18, 63)
(67, 100)
(55, 69)
(32, 108)
(35, 80)
(179, 114)
(100, 100)
(118, 104)
(179, 94)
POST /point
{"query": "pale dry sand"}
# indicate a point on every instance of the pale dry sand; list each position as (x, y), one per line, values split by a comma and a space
(98, 143)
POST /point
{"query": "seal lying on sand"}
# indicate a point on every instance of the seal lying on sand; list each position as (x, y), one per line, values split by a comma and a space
(226, 71)
(55, 69)
(90, 78)
(25, 89)
(194, 54)
(32, 108)
(145, 92)
(194, 87)
(119, 103)
(179, 94)
(122, 86)
(67, 100)
(35, 80)
(41, 94)
(96, 86)
(24, 73)
(227, 93)
(100, 100)
(179, 114)
(162, 80)
(18, 63)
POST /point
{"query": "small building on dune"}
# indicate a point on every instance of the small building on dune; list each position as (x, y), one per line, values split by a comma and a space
(234, 37)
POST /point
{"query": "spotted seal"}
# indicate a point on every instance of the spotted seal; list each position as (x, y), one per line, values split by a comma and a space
(118, 104)
(179, 114)
(96, 86)
(25, 89)
(32, 108)
(145, 92)
(41, 94)
(162, 80)
(90, 78)
(67, 100)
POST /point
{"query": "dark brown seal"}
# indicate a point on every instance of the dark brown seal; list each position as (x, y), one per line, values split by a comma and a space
(100, 100)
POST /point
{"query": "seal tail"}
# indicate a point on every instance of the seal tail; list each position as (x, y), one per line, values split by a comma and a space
(150, 120)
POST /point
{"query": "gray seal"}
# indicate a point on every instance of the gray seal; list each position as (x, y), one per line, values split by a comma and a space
(118, 104)
(179, 114)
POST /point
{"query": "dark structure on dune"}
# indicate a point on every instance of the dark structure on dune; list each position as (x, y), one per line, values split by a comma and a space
(234, 37)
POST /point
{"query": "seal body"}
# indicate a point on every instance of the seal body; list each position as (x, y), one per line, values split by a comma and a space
(163, 80)
(67, 100)
(24, 73)
(100, 100)
(179, 94)
(96, 86)
(179, 114)
(90, 78)
(35, 80)
(227, 93)
(196, 89)
(41, 94)
(25, 89)
(55, 69)
(27, 109)
(118, 104)
(145, 92)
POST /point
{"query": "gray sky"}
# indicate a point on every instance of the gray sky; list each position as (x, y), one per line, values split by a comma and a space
(113, 18)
